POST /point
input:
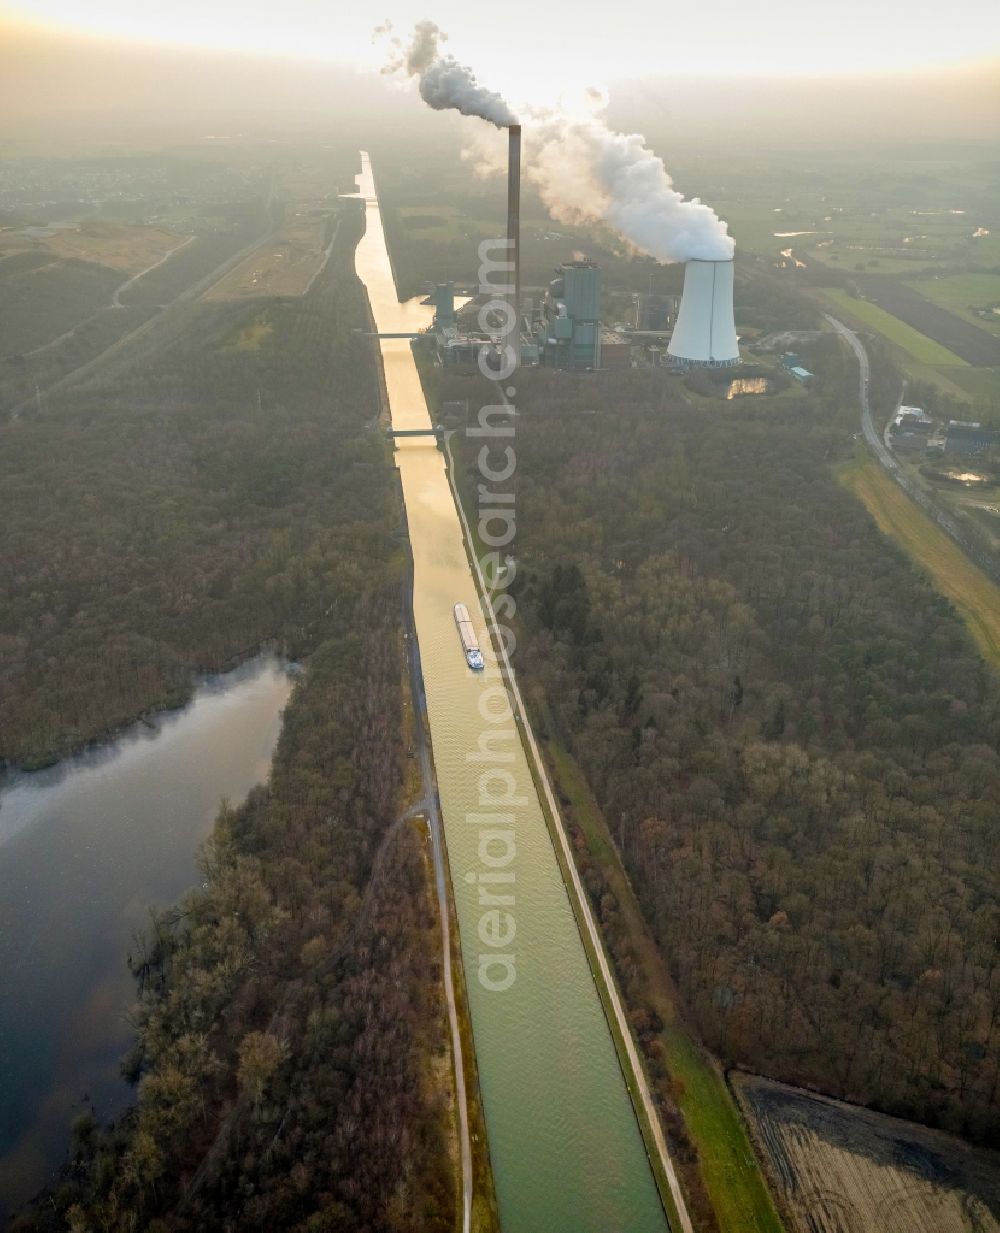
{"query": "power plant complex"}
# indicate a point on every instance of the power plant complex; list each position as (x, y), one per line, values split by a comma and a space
(587, 171)
(564, 329)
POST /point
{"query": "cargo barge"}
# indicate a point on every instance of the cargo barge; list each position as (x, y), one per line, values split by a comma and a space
(467, 637)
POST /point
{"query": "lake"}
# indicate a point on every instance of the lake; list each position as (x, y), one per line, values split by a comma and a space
(85, 848)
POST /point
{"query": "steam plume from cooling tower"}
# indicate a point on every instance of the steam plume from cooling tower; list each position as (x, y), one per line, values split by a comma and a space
(587, 172)
(445, 84)
(584, 171)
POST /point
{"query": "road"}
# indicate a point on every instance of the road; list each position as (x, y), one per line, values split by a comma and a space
(635, 1076)
(881, 451)
(867, 426)
(431, 807)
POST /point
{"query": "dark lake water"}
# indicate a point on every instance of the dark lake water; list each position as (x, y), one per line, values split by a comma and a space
(85, 848)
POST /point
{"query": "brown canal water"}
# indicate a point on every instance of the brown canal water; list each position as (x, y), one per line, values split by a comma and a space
(565, 1146)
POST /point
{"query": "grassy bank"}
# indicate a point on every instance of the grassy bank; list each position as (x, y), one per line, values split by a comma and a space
(973, 594)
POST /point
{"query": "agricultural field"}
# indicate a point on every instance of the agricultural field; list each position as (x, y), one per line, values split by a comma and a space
(439, 222)
(845, 1169)
(115, 245)
(977, 383)
(849, 238)
(903, 211)
(918, 346)
(94, 250)
(283, 266)
(899, 242)
(963, 293)
(126, 248)
(971, 343)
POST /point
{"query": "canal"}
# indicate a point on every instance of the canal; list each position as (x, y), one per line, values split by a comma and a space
(565, 1146)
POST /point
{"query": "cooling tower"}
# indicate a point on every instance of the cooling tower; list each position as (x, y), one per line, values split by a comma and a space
(704, 334)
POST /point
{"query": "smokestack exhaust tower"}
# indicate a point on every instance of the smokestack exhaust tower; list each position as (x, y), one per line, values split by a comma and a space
(704, 333)
(514, 220)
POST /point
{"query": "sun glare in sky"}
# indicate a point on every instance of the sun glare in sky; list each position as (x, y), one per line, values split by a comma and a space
(517, 45)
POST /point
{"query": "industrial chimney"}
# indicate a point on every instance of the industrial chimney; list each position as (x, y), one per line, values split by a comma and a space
(704, 334)
(514, 217)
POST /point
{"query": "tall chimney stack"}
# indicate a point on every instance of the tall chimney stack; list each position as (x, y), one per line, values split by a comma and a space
(514, 219)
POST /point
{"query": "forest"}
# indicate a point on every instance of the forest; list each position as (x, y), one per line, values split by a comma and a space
(289, 1007)
(791, 734)
(220, 491)
(185, 507)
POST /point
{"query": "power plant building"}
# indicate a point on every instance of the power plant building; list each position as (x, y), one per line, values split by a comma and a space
(705, 333)
(459, 346)
(569, 325)
(443, 300)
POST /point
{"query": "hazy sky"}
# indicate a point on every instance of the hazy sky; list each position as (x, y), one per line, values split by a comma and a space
(131, 63)
(520, 46)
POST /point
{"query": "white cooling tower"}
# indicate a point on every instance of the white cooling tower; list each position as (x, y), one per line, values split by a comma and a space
(704, 334)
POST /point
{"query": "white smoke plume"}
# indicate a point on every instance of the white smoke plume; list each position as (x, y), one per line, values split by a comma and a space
(584, 171)
(445, 84)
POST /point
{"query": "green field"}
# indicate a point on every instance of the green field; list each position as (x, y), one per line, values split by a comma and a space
(437, 222)
(753, 227)
(921, 348)
(728, 1165)
(981, 383)
(851, 260)
(959, 293)
(890, 240)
